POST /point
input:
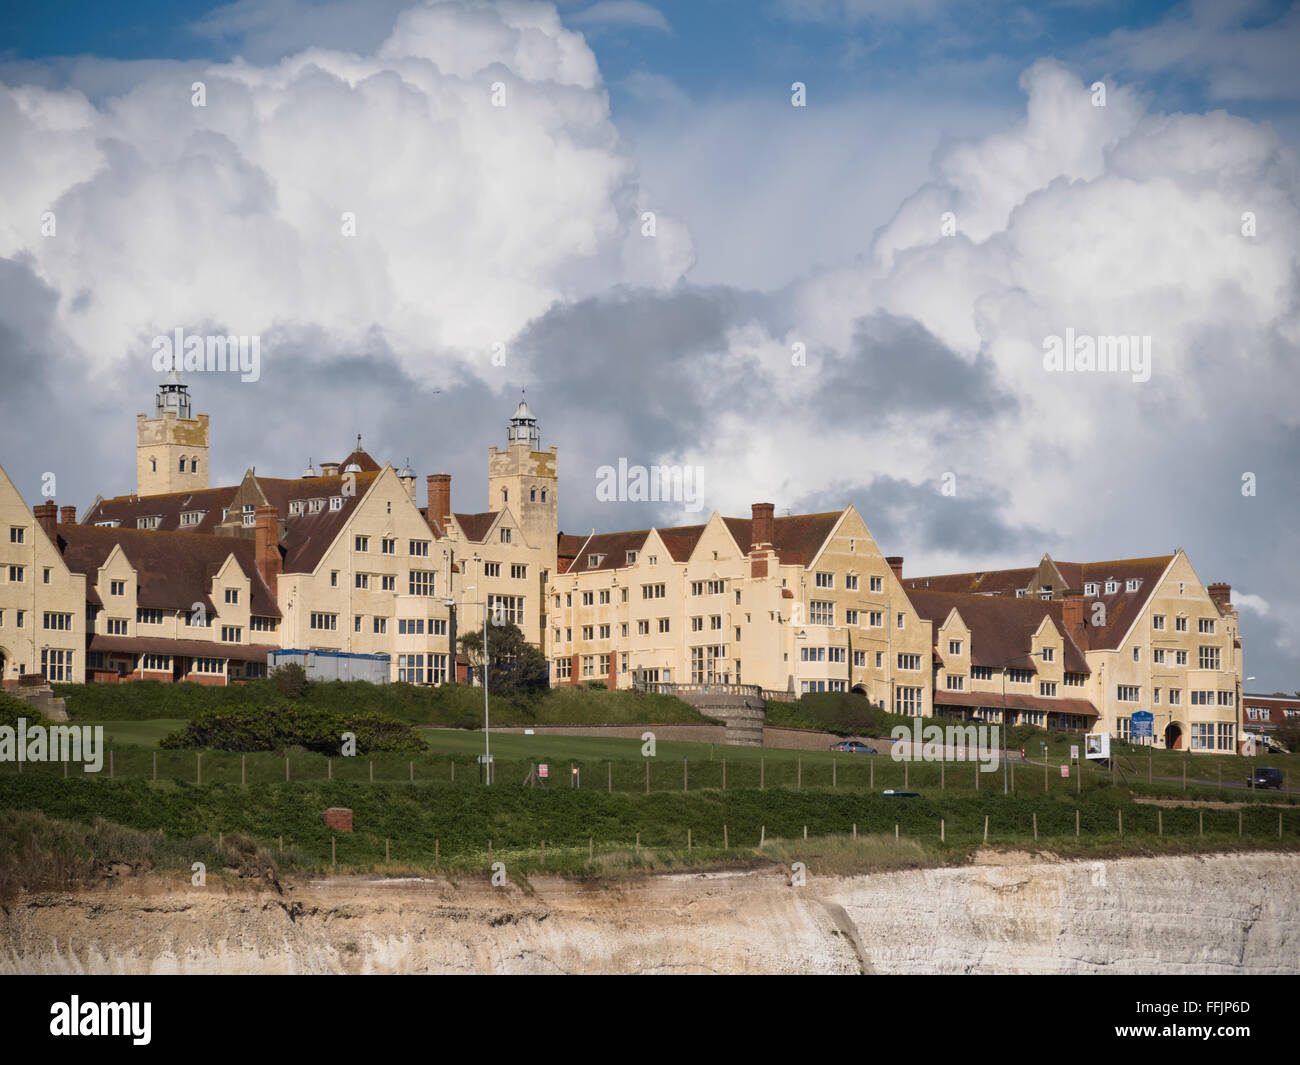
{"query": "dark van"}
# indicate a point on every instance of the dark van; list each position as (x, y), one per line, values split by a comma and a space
(1264, 777)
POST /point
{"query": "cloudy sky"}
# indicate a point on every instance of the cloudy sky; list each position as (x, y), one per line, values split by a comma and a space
(845, 301)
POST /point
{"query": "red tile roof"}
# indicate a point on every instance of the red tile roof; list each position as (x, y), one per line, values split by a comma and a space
(126, 510)
(796, 538)
(174, 570)
(476, 526)
(1001, 628)
(1016, 702)
(308, 536)
(188, 648)
(1121, 606)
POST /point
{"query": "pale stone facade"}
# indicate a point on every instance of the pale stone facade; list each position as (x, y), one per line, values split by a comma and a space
(42, 602)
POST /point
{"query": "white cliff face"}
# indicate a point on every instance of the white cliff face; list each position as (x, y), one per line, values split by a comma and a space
(1192, 914)
(1230, 913)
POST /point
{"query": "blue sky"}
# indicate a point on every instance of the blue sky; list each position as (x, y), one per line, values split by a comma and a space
(776, 226)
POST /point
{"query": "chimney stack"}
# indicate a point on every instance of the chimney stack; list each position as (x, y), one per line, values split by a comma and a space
(763, 526)
(896, 564)
(329, 469)
(67, 515)
(439, 499)
(1072, 617)
(1221, 594)
(762, 532)
(47, 517)
(266, 545)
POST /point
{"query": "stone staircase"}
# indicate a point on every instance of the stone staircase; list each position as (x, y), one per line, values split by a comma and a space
(743, 715)
(41, 697)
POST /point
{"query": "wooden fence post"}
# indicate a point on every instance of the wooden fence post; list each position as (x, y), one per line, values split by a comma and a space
(1121, 822)
(805, 833)
(895, 833)
(1160, 823)
(986, 828)
(329, 768)
(855, 830)
(372, 771)
(762, 835)
(591, 852)
(286, 767)
(386, 851)
(1201, 815)
(688, 840)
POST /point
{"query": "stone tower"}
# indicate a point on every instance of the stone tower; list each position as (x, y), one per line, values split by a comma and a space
(171, 451)
(523, 477)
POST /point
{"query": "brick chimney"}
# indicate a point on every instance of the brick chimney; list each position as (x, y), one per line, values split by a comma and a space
(1221, 594)
(1072, 617)
(266, 545)
(67, 515)
(439, 498)
(762, 532)
(896, 564)
(47, 517)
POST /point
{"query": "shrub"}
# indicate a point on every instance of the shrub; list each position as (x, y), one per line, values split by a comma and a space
(290, 680)
(292, 725)
(12, 708)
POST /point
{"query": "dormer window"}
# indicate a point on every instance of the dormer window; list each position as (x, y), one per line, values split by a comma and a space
(594, 560)
(150, 522)
(1132, 584)
(336, 502)
(631, 557)
(1090, 588)
(1020, 593)
(317, 505)
(295, 507)
(1112, 587)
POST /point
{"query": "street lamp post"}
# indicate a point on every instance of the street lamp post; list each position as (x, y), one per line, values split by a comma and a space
(1031, 654)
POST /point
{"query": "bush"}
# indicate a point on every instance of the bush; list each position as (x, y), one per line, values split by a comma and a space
(290, 680)
(597, 685)
(12, 708)
(292, 725)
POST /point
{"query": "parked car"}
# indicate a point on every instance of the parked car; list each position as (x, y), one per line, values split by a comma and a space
(853, 747)
(1264, 777)
(901, 794)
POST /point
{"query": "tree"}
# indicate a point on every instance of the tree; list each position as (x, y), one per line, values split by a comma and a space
(290, 679)
(514, 664)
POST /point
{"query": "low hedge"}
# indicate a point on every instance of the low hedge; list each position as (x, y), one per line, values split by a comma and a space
(289, 724)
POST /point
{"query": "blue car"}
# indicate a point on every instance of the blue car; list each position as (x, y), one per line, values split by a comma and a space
(853, 747)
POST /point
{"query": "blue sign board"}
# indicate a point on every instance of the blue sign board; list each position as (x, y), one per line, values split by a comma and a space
(1142, 724)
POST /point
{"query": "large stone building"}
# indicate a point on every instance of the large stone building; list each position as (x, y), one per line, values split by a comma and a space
(1153, 636)
(180, 580)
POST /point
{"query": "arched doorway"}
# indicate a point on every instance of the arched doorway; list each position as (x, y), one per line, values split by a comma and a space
(859, 689)
(1173, 737)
